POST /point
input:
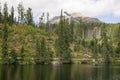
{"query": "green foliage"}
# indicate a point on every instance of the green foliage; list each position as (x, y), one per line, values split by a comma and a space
(41, 21)
(48, 28)
(118, 34)
(105, 46)
(71, 31)
(63, 43)
(13, 56)
(5, 55)
(81, 30)
(29, 16)
(77, 45)
(118, 49)
(20, 13)
(11, 17)
(43, 53)
(25, 55)
(5, 13)
(1, 16)
(26, 40)
(83, 43)
(22, 52)
(94, 45)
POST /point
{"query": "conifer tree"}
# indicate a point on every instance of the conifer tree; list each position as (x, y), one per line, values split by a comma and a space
(20, 13)
(43, 53)
(41, 21)
(38, 56)
(119, 33)
(79, 36)
(95, 47)
(62, 43)
(71, 31)
(5, 54)
(11, 17)
(22, 53)
(38, 47)
(47, 24)
(105, 46)
(5, 13)
(0, 14)
(29, 16)
(118, 49)
(43, 47)
(118, 45)
(13, 56)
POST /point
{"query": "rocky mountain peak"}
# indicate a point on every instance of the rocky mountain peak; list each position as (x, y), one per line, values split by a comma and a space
(75, 15)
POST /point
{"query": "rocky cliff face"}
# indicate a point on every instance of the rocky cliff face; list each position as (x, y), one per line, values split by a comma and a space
(76, 17)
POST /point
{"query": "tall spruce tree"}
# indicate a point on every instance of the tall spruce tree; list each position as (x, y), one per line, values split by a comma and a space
(29, 16)
(48, 24)
(79, 36)
(13, 56)
(118, 37)
(95, 47)
(43, 54)
(22, 53)
(0, 14)
(20, 13)
(5, 54)
(41, 21)
(119, 33)
(5, 13)
(43, 49)
(105, 45)
(71, 31)
(11, 17)
(38, 55)
(62, 43)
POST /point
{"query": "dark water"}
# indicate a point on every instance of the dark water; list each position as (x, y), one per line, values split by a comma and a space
(59, 72)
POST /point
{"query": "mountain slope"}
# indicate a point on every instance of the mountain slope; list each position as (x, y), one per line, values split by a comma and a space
(76, 17)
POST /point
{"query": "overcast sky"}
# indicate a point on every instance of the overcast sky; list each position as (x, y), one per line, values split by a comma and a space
(105, 10)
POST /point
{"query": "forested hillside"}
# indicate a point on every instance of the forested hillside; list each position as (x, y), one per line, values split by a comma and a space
(23, 41)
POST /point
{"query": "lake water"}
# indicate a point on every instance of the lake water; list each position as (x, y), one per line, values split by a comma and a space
(59, 72)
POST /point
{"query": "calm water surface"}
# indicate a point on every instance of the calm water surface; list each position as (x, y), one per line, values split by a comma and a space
(60, 72)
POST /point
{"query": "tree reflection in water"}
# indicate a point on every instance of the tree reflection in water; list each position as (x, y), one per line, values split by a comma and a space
(59, 72)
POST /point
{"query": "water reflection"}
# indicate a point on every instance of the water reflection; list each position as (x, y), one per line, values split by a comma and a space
(59, 72)
(106, 72)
